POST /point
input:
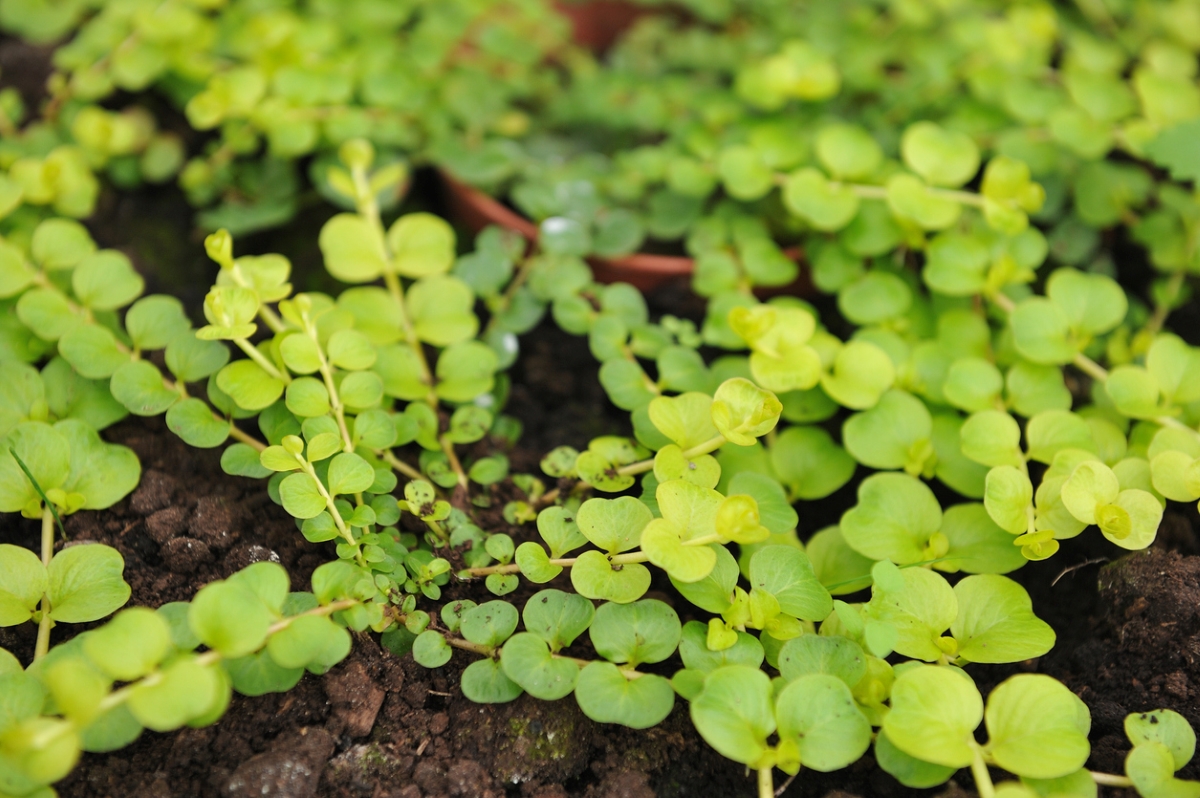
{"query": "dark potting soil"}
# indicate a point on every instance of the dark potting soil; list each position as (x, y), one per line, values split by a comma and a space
(381, 726)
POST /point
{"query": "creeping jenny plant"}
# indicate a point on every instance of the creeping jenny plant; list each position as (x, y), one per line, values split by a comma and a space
(980, 342)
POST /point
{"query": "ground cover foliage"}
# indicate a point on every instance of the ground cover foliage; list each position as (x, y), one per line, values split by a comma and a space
(957, 184)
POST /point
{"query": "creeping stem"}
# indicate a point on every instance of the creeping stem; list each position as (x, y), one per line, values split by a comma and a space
(252, 352)
(1163, 309)
(1109, 780)
(401, 466)
(43, 636)
(45, 282)
(1095, 370)
(118, 697)
(491, 651)
(452, 458)
(330, 505)
(368, 208)
(708, 447)
(766, 783)
(335, 399)
(567, 562)
(983, 779)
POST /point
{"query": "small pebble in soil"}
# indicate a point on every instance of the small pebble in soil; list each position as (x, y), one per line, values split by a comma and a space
(290, 769)
(166, 524)
(213, 522)
(355, 699)
(241, 556)
(186, 555)
(154, 492)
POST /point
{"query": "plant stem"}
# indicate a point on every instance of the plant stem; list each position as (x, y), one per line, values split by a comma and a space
(709, 446)
(1095, 370)
(368, 208)
(455, 465)
(399, 465)
(119, 697)
(245, 438)
(490, 651)
(335, 400)
(43, 636)
(523, 272)
(983, 779)
(512, 568)
(252, 352)
(766, 783)
(1090, 367)
(332, 507)
(1110, 780)
(1174, 286)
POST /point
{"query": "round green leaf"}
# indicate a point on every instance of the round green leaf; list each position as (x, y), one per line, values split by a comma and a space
(105, 280)
(734, 714)
(1036, 727)
(139, 386)
(352, 250)
(614, 525)
(893, 434)
(86, 583)
(809, 195)
(557, 617)
(919, 607)
(934, 714)
(606, 696)
(304, 641)
(1151, 767)
(996, 623)
(785, 573)
(741, 411)
(943, 157)
(810, 463)
(839, 657)
(527, 661)
(431, 650)
(848, 151)
(818, 713)
(23, 581)
(300, 496)
(1042, 331)
(489, 624)
(1008, 494)
(640, 632)
(248, 385)
(908, 770)
(839, 568)
(230, 618)
(129, 646)
(484, 682)
(895, 518)
(976, 544)
(594, 577)
(186, 690)
(1163, 726)
(193, 421)
(992, 438)
(92, 351)
(422, 244)
(861, 373)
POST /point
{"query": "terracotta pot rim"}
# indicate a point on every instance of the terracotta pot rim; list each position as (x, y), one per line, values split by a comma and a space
(499, 213)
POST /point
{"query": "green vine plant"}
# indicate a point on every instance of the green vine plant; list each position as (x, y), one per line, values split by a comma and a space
(345, 390)
(273, 86)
